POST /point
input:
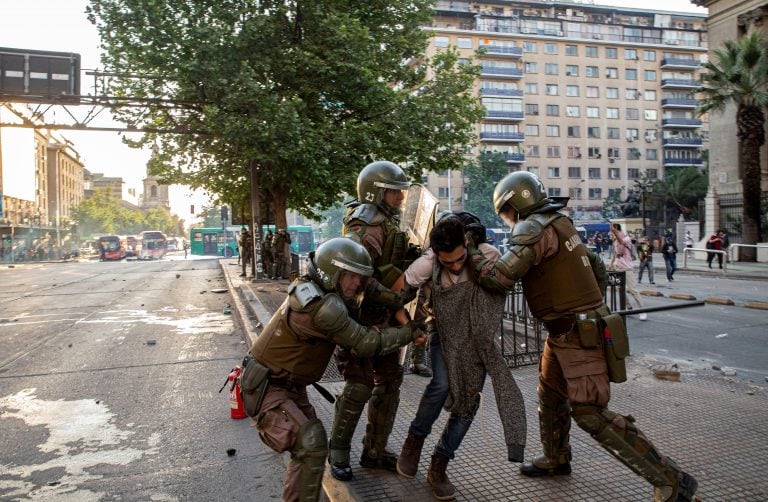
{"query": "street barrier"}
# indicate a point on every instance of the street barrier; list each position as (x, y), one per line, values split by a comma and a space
(732, 247)
(686, 251)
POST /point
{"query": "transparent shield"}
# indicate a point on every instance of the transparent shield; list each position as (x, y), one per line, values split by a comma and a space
(418, 215)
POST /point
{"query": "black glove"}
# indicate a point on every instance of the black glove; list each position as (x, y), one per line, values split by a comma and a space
(412, 253)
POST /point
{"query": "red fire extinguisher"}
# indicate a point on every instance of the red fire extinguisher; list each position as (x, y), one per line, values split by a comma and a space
(236, 408)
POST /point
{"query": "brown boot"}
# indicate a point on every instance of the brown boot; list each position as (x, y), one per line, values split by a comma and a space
(442, 488)
(408, 461)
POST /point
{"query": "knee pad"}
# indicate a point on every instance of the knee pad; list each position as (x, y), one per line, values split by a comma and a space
(311, 440)
(591, 418)
(356, 392)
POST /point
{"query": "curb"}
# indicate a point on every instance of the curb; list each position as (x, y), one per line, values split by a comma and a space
(684, 296)
(757, 305)
(649, 292)
(719, 301)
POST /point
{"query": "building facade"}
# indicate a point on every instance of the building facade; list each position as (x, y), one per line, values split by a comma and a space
(590, 98)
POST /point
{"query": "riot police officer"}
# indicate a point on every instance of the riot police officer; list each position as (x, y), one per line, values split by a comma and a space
(372, 220)
(296, 346)
(563, 283)
(246, 249)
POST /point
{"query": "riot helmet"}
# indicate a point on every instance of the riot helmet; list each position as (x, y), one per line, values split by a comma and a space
(522, 190)
(335, 257)
(376, 178)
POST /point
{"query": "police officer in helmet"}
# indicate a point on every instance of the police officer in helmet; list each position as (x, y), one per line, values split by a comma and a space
(563, 284)
(296, 346)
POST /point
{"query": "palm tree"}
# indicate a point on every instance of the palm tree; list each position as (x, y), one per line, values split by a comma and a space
(737, 74)
(683, 188)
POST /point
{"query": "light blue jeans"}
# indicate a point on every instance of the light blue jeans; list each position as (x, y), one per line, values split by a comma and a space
(432, 402)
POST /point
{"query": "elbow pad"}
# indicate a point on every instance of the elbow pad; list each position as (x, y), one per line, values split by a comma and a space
(516, 262)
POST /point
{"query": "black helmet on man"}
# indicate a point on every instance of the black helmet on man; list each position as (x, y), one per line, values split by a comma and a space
(335, 256)
(524, 192)
(377, 177)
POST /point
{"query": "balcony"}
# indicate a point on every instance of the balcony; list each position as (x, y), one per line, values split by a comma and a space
(682, 142)
(502, 136)
(679, 103)
(501, 72)
(680, 83)
(681, 123)
(681, 64)
(497, 50)
(515, 158)
(501, 115)
(670, 162)
(492, 91)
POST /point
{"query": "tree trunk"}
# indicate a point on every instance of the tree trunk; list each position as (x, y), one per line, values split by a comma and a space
(279, 199)
(752, 138)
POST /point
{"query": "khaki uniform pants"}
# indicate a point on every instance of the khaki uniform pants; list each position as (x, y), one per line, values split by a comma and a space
(575, 374)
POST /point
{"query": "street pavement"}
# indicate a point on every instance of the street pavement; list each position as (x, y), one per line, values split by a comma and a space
(713, 425)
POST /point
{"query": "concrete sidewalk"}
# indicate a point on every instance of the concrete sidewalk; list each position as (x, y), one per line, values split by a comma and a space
(713, 426)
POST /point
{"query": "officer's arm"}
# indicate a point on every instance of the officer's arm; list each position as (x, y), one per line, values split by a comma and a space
(331, 317)
(382, 295)
(500, 275)
(599, 270)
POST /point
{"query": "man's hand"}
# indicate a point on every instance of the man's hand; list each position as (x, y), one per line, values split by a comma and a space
(418, 330)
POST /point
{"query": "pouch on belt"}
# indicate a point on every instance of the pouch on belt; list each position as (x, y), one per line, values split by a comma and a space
(253, 385)
(616, 347)
(589, 333)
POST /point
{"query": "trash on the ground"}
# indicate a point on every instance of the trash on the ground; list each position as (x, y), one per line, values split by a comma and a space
(231, 452)
(219, 290)
(151, 342)
(53, 483)
(70, 345)
(202, 292)
(721, 335)
(665, 372)
(750, 393)
(716, 367)
(729, 372)
(260, 289)
(178, 275)
(766, 379)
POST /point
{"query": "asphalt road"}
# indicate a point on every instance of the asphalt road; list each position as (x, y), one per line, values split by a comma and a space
(109, 379)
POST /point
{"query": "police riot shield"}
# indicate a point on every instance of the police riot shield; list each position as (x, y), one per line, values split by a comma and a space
(418, 215)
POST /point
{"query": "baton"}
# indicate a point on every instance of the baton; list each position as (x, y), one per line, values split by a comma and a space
(324, 392)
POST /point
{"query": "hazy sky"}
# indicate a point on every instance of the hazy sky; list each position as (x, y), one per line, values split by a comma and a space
(61, 25)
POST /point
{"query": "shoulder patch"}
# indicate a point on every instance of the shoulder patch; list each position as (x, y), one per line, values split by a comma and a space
(305, 292)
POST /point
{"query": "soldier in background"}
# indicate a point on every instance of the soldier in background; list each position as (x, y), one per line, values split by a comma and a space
(280, 248)
(267, 257)
(246, 249)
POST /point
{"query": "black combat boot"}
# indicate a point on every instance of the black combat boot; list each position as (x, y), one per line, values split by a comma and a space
(543, 466)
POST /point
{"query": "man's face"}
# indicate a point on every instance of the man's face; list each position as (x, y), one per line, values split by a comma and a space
(453, 260)
(351, 284)
(394, 198)
(509, 215)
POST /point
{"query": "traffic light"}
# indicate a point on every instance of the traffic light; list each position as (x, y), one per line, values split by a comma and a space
(224, 213)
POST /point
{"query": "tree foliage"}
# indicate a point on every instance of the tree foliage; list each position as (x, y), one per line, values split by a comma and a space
(483, 173)
(309, 91)
(737, 74)
(683, 188)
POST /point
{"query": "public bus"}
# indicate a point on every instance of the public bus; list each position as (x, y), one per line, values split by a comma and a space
(111, 248)
(150, 244)
(129, 244)
(213, 242)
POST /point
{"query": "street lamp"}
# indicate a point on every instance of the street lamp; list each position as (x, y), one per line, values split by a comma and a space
(644, 186)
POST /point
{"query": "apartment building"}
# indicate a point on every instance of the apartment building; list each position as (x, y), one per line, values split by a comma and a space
(591, 98)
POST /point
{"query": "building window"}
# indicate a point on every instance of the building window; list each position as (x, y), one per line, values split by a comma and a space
(652, 174)
(572, 91)
(574, 172)
(612, 92)
(613, 173)
(595, 193)
(593, 152)
(649, 75)
(574, 152)
(550, 69)
(649, 95)
(611, 53)
(650, 114)
(593, 112)
(591, 51)
(630, 54)
(613, 133)
(631, 74)
(614, 193)
(575, 193)
(552, 89)
(532, 88)
(594, 173)
(553, 152)
(593, 132)
(553, 131)
(593, 91)
(650, 135)
(532, 150)
(633, 154)
(442, 192)
(611, 113)
(632, 114)
(553, 172)
(553, 110)
(531, 68)
(574, 132)
(633, 173)
(649, 55)
(572, 111)
(571, 50)
(632, 134)
(550, 48)
(614, 153)
(631, 94)
(592, 71)
(464, 43)
(651, 154)
(611, 73)
(530, 47)
(531, 109)
(441, 41)
(553, 192)
(572, 70)
(531, 130)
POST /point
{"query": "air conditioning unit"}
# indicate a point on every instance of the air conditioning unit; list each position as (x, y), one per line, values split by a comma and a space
(597, 36)
(630, 139)
(611, 160)
(559, 33)
(648, 140)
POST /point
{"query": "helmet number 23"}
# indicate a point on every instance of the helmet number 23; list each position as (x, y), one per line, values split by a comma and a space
(369, 196)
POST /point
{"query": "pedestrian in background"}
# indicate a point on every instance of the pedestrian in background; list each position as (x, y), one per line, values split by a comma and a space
(715, 242)
(688, 239)
(623, 261)
(186, 247)
(645, 255)
(669, 252)
(267, 256)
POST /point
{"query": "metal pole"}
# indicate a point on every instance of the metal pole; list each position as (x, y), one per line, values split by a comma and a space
(256, 266)
(642, 192)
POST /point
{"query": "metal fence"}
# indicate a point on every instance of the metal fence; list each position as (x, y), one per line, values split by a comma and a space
(731, 214)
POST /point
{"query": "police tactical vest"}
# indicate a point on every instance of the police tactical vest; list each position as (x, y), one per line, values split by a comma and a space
(564, 282)
(395, 241)
(279, 348)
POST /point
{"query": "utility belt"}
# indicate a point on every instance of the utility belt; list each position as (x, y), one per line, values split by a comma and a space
(592, 329)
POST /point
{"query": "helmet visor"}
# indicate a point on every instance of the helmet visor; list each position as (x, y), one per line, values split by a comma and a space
(351, 286)
(392, 185)
(351, 266)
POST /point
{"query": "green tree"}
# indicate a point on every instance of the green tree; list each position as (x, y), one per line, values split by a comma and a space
(683, 189)
(483, 173)
(737, 74)
(333, 221)
(612, 205)
(308, 92)
(99, 214)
